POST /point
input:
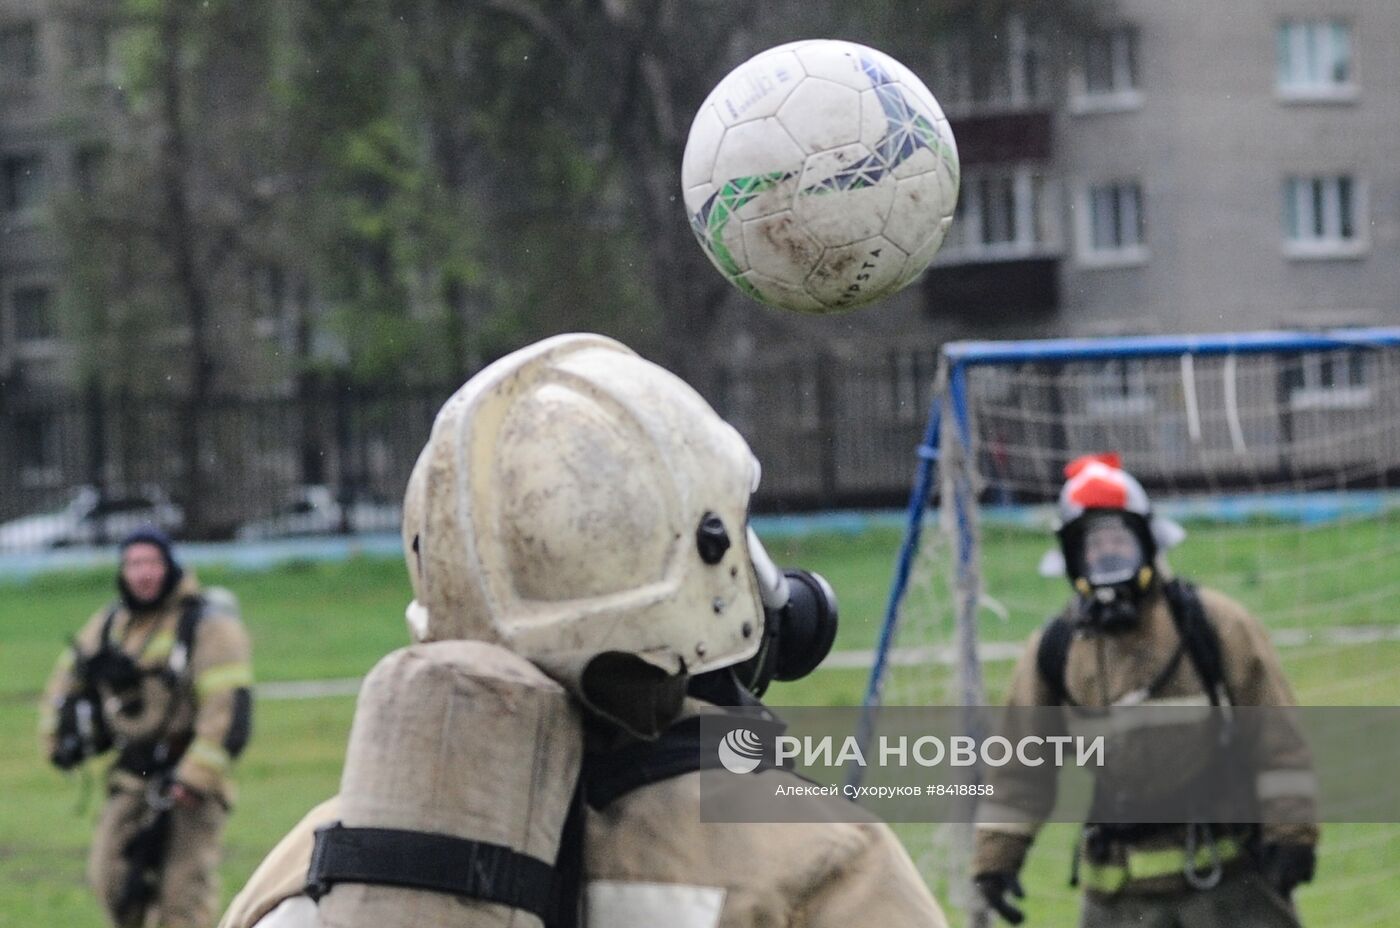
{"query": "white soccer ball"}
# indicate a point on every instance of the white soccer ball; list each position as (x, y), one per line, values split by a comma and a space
(820, 176)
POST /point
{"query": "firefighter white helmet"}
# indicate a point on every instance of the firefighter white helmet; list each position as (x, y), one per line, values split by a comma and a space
(1096, 482)
(575, 499)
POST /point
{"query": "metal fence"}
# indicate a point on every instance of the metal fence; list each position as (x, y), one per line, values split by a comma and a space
(84, 469)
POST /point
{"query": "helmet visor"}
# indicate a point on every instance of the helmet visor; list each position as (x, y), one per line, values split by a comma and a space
(1112, 551)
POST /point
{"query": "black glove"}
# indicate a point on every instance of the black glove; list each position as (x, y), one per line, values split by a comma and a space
(995, 887)
(67, 752)
(1286, 865)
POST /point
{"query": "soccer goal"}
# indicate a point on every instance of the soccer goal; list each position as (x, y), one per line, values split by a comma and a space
(1278, 451)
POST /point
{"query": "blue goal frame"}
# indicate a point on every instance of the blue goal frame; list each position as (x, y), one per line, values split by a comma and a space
(951, 400)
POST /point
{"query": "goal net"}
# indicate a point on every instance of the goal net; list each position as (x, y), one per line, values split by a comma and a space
(1279, 453)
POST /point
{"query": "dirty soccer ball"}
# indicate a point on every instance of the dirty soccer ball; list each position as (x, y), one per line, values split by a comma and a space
(820, 176)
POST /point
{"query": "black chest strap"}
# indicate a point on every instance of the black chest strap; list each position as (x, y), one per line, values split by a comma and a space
(191, 612)
(1199, 638)
(610, 775)
(1199, 643)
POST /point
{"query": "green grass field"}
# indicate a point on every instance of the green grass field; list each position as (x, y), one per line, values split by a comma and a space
(321, 621)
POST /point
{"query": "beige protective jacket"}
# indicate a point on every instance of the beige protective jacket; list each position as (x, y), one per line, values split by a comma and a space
(200, 718)
(1102, 670)
(650, 861)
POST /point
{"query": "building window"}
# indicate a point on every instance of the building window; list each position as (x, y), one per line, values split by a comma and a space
(267, 287)
(1113, 229)
(23, 182)
(19, 52)
(951, 72)
(1029, 71)
(89, 47)
(90, 169)
(1329, 380)
(1321, 216)
(1010, 72)
(911, 375)
(996, 201)
(39, 449)
(1107, 76)
(1117, 387)
(1006, 213)
(33, 315)
(1314, 60)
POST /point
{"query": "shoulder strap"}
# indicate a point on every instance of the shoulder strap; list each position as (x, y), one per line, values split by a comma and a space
(1052, 656)
(105, 639)
(191, 612)
(1197, 636)
(568, 867)
(108, 661)
(610, 775)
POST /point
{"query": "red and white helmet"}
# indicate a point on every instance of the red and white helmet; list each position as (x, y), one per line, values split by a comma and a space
(1099, 482)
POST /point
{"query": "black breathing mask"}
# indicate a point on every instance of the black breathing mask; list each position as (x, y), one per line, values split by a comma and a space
(797, 636)
(1109, 557)
(799, 628)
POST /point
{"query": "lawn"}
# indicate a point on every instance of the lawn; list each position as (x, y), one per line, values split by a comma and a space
(322, 621)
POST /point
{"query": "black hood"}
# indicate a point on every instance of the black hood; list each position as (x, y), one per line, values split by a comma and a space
(174, 573)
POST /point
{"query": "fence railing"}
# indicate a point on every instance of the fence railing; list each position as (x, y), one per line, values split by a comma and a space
(84, 468)
(831, 430)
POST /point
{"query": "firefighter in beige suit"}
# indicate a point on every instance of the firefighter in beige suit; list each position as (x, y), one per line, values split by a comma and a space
(588, 511)
(163, 676)
(651, 861)
(1134, 637)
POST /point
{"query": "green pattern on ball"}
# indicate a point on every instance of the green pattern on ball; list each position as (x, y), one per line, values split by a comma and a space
(709, 223)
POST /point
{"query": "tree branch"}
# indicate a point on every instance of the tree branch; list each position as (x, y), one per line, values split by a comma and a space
(658, 82)
(540, 23)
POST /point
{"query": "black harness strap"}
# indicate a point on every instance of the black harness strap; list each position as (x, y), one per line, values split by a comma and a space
(191, 612)
(106, 637)
(1198, 637)
(568, 870)
(190, 615)
(1052, 657)
(435, 862)
(1167, 672)
(1199, 643)
(608, 776)
(152, 758)
(679, 750)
